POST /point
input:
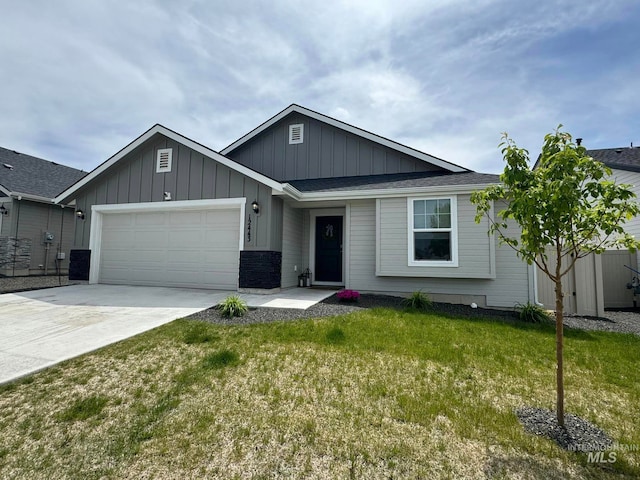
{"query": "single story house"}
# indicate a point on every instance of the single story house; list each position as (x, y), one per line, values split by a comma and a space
(35, 234)
(301, 191)
(600, 281)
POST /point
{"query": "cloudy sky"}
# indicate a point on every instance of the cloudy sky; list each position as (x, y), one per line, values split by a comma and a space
(81, 79)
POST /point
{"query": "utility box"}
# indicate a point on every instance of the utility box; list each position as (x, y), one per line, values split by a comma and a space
(48, 237)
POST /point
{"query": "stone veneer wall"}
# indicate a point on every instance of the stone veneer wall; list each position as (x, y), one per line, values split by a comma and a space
(260, 269)
(16, 250)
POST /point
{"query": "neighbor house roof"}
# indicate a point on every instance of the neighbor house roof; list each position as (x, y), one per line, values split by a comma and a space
(22, 174)
(452, 167)
(624, 158)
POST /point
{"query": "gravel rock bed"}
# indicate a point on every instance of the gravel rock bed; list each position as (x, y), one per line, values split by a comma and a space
(624, 322)
(33, 282)
(577, 434)
(332, 307)
(614, 321)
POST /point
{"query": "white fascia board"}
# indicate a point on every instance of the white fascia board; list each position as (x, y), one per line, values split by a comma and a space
(4, 191)
(206, 204)
(379, 193)
(29, 196)
(349, 128)
(178, 138)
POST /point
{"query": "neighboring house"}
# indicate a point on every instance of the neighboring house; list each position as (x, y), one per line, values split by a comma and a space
(300, 191)
(600, 281)
(35, 234)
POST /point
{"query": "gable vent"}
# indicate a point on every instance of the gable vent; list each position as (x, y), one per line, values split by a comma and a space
(163, 161)
(296, 133)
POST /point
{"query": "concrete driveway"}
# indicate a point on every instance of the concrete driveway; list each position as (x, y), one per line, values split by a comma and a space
(43, 327)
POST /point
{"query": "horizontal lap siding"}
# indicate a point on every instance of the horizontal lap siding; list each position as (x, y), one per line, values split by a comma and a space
(633, 179)
(510, 287)
(291, 245)
(473, 243)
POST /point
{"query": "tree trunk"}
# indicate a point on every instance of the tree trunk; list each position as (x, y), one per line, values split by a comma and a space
(559, 343)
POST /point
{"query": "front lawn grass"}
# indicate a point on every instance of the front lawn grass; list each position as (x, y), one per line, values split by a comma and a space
(374, 394)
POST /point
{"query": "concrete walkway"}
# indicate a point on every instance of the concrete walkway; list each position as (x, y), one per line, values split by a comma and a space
(43, 327)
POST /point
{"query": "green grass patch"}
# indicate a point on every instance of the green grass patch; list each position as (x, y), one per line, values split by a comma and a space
(375, 394)
(84, 408)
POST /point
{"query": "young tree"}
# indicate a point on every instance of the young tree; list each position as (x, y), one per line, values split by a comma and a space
(568, 202)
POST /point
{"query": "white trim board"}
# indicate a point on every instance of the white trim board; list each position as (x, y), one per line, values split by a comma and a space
(98, 211)
(296, 194)
(348, 128)
(277, 186)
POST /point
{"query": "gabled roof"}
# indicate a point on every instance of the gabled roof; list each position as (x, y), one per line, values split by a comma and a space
(349, 128)
(67, 194)
(22, 174)
(624, 158)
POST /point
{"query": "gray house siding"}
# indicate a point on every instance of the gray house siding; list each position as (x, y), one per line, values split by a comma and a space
(193, 176)
(511, 285)
(326, 152)
(475, 255)
(292, 259)
(31, 220)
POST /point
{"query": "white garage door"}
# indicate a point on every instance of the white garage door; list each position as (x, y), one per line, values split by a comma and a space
(196, 249)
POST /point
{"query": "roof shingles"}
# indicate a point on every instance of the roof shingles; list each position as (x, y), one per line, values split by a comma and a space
(625, 158)
(25, 174)
(394, 181)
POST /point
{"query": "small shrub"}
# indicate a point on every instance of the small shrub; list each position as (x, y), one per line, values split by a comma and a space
(220, 359)
(348, 295)
(418, 301)
(233, 306)
(532, 313)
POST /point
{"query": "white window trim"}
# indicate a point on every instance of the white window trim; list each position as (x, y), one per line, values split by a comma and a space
(454, 234)
(291, 128)
(168, 151)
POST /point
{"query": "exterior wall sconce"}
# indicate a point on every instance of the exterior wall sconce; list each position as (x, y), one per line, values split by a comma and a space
(80, 214)
(256, 207)
(3, 210)
(167, 196)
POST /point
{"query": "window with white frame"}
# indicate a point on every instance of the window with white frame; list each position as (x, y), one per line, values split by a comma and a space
(433, 231)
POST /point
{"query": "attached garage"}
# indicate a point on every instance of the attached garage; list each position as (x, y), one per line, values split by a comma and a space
(192, 244)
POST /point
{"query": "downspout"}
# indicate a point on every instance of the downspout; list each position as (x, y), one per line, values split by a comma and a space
(535, 286)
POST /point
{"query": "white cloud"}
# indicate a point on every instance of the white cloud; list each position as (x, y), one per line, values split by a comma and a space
(82, 79)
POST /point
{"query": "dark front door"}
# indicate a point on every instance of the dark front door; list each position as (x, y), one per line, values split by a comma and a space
(328, 249)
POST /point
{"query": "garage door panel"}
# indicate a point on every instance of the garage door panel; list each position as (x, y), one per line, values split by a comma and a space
(185, 237)
(185, 218)
(150, 219)
(115, 221)
(184, 249)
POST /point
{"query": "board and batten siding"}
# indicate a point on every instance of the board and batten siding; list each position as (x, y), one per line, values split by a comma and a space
(512, 283)
(326, 151)
(476, 255)
(32, 220)
(193, 177)
(292, 227)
